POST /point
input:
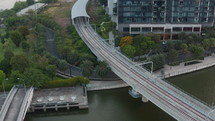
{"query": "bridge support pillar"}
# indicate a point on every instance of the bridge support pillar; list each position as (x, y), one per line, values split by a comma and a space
(67, 106)
(134, 93)
(99, 59)
(44, 108)
(144, 99)
(56, 108)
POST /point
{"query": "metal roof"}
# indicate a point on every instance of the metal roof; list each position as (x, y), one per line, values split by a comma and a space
(35, 7)
(79, 9)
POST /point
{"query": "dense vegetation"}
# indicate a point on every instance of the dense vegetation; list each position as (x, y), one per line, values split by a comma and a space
(24, 57)
(148, 47)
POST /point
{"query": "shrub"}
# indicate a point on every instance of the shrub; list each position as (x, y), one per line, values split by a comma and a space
(66, 82)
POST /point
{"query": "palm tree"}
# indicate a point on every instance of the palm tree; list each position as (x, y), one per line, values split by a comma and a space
(87, 68)
(102, 69)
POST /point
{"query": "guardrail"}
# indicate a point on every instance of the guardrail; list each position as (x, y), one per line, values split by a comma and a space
(7, 103)
(25, 104)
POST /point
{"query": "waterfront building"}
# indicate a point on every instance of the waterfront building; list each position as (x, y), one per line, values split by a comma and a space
(165, 17)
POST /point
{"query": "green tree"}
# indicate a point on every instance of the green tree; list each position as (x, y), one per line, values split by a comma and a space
(7, 13)
(30, 2)
(63, 65)
(196, 50)
(19, 62)
(143, 44)
(73, 58)
(129, 50)
(51, 70)
(87, 68)
(52, 60)
(25, 46)
(8, 55)
(19, 6)
(11, 21)
(16, 37)
(33, 77)
(24, 30)
(158, 62)
(15, 75)
(172, 55)
(212, 42)
(2, 76)
(5, 66)
(206, 43)
(184, 49)
(48, 1)
(102, 69)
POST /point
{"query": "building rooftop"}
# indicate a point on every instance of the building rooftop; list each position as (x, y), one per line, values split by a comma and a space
(35, 7)
(79, 9)
(60, 95)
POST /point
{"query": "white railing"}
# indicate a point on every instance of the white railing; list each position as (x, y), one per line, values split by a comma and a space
(130, 77)
(7, 103)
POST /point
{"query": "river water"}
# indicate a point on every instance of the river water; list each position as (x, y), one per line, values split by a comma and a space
(118, 105)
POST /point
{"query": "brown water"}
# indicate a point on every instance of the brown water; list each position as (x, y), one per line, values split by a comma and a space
(118, 105)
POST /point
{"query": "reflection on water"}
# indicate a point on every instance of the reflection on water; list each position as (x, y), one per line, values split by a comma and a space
(110, 105)
(201, 84)
(118, 105)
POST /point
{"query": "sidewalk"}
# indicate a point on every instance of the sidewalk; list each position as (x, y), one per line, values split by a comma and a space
(170, 71)
(103, 85)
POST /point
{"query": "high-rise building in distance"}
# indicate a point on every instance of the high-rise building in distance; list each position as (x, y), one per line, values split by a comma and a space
(168, 17)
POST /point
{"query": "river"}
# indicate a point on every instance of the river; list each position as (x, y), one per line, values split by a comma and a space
(118, 105)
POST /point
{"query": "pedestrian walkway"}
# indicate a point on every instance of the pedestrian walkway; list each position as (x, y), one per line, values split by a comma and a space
(103, 85)
(170, 71)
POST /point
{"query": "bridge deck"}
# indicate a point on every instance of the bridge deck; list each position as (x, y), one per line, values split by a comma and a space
(15, 105)
(172, 100)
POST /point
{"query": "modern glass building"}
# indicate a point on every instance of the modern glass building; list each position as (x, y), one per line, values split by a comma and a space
(165, 16)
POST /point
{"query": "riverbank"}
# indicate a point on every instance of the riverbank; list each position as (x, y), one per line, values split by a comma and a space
(104, 85)
(171, 71)
(168, 71)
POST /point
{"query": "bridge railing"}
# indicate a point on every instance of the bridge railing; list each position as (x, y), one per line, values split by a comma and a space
(25, 104)
(7, 102)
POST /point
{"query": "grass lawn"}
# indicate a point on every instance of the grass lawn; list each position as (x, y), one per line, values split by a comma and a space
(60, 12)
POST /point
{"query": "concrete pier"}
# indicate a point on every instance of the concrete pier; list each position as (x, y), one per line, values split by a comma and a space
(56, 98)
(134, 93)
(144, 99)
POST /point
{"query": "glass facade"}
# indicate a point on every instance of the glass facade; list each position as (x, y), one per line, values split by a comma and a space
(166, 11)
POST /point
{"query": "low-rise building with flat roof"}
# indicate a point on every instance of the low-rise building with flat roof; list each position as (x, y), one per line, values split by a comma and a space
(35, 7)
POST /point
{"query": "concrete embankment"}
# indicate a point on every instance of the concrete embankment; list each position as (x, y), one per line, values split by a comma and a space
(171, 71)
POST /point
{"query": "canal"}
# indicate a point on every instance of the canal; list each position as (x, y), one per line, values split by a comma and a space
(118, 105)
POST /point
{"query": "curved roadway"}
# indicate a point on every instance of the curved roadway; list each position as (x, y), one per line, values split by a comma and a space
(173, 101)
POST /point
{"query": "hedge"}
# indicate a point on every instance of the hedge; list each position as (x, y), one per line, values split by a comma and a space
(66, 82)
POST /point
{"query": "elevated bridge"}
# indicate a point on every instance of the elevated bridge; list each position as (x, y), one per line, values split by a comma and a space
(16, 104)
(173, 101)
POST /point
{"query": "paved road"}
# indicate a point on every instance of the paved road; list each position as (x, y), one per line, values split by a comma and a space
(73, 70)
(169, 71)
(50, 42)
